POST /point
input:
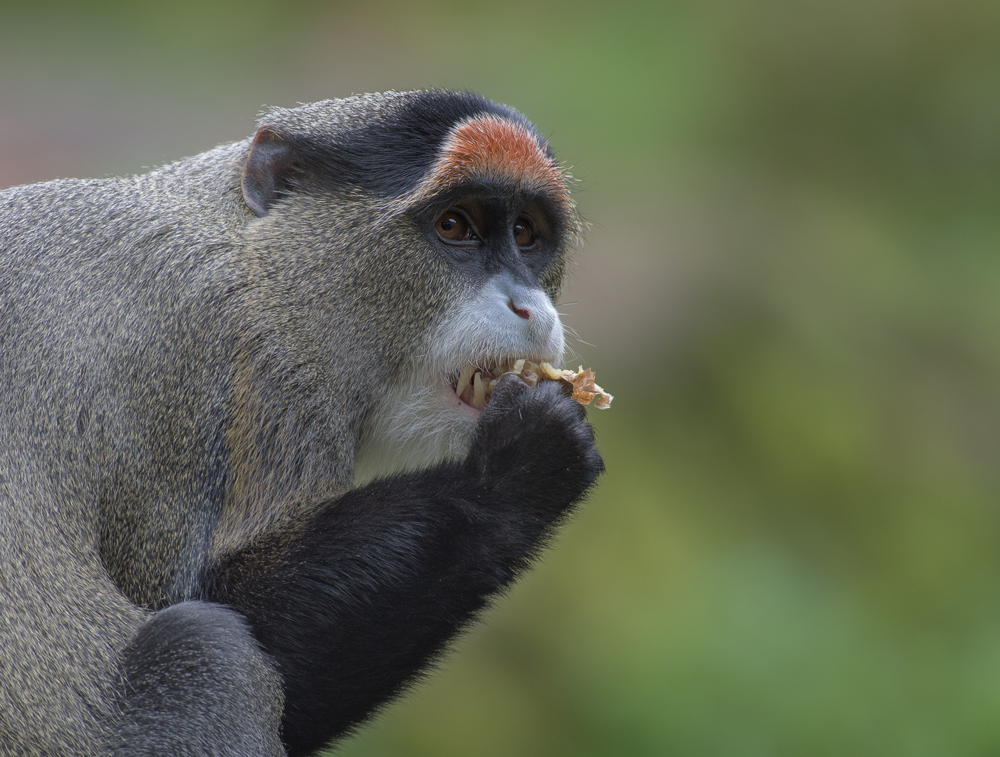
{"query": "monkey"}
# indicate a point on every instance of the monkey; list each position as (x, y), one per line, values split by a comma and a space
(244, 501)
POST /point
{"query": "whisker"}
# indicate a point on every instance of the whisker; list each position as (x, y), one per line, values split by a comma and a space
(573, 333)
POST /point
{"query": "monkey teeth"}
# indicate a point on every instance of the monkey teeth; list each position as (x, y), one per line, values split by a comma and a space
(464, 378)
(479, 392)
(474, 385)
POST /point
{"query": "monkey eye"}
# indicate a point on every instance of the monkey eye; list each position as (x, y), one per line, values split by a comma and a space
(453, 227)
(524, 232)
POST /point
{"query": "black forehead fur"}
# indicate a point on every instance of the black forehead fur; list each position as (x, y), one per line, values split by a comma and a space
(384, 143)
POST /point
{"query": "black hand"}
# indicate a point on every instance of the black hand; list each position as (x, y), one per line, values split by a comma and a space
(353, 603)
(534, 448)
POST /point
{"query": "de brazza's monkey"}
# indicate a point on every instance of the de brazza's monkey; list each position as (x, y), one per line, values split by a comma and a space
(197, 362)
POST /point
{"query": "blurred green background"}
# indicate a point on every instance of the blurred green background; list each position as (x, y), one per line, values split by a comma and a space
(791, 284)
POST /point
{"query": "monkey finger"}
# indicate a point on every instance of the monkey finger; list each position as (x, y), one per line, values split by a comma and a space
(509, 388)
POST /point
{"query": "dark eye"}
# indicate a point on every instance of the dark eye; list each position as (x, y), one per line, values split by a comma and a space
(524, 232)
(452, 227)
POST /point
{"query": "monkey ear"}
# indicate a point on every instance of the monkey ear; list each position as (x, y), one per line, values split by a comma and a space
(270, 167)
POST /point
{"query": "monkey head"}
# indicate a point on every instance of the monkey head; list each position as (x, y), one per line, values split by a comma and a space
(444, 224)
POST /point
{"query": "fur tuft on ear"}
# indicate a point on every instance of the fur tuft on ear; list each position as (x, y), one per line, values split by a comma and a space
(269, 168)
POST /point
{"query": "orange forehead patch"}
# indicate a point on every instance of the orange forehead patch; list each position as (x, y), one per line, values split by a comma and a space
(492, 148)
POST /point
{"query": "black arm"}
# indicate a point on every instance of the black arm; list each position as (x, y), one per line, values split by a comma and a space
(357, 601)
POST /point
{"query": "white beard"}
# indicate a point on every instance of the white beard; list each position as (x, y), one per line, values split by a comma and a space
(419, 421)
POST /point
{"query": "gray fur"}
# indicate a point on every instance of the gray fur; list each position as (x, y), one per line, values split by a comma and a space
(198, 646)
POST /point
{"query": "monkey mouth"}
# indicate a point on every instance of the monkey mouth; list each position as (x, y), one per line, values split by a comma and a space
(473, 385)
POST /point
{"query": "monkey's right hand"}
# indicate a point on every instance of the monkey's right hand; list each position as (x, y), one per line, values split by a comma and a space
(534, 446)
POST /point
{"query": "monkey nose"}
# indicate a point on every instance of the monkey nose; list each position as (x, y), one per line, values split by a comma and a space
(519, 312)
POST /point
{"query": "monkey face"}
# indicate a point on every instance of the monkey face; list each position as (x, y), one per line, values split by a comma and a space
(502, 227)
(497, 253)
(493, 208)
(502, 250)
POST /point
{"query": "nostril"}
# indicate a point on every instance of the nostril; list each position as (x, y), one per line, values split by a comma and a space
(519, 312)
